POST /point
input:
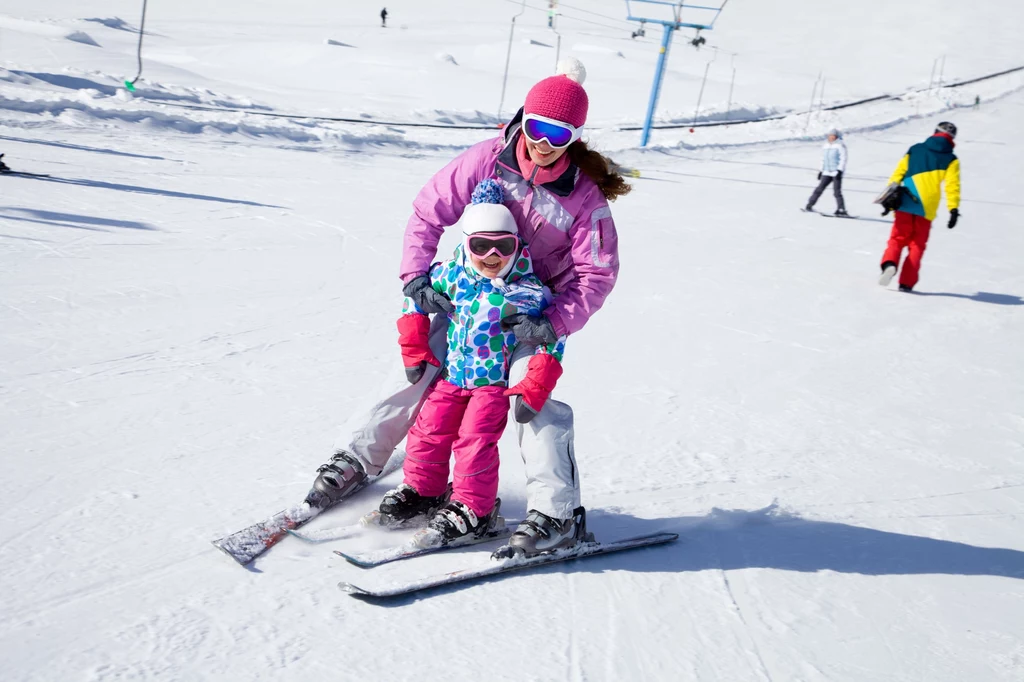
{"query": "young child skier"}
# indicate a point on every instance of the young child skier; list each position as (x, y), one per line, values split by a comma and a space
(489, 280)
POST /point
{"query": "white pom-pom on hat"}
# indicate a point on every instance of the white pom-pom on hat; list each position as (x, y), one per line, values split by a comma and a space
(561, 96)
(573, 68)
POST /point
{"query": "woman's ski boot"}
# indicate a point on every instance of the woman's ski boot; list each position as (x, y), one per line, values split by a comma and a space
(335, 480)
(539, 534)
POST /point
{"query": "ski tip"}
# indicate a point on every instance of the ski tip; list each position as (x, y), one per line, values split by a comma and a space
(296, 533)
(354, 590)
(361, 594)
(355, 561)
(371, 596)
(240, 560)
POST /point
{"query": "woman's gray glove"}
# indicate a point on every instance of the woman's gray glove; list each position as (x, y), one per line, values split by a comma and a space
(535, 331)
(425, 298)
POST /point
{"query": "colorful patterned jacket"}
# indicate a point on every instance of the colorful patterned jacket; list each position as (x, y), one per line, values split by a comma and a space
(479, 351)
(922, 170)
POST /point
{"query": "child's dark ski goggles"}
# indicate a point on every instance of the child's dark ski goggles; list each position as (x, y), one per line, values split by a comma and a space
(483, 244)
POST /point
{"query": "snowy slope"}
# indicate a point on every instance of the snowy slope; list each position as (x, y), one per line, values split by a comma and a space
(196, 301)
(443, 62)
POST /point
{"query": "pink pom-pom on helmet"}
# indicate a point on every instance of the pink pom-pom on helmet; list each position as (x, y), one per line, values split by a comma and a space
(561, 96)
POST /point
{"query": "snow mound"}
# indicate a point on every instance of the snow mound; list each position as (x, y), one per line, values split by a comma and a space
(81, 37)
(46, 30)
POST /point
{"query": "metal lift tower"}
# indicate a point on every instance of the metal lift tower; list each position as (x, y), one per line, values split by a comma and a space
(670, 15)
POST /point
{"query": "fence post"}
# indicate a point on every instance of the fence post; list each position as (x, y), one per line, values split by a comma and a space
(700, 96)
(728, 107)
(810, 107)
(508, 57)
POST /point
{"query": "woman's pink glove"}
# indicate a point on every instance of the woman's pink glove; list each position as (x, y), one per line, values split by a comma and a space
(541, 376)
(413, 337)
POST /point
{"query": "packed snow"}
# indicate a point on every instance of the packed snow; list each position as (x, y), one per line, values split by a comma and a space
(203, 293)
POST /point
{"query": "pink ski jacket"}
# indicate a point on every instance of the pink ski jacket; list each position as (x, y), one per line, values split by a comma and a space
(566, 223)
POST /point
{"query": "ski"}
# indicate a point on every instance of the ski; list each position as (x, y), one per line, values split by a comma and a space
(24, 174)
(247, 544)
(411, 549)
(318, 535)
(830, 215)
(500, 566)
(369, 522)
(6, 170)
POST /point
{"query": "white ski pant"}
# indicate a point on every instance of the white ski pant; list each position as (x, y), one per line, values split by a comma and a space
(546, 443)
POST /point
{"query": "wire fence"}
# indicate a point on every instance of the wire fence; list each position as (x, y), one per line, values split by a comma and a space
(833, 107)
(662, 126)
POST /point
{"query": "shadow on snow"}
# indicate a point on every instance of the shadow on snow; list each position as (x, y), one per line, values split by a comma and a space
(728, 539)
(981, 297)
(81, 222)
(78, 147)
(775, 539)
(153, 191)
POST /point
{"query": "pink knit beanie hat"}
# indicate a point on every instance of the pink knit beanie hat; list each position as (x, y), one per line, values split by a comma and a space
(561, 96)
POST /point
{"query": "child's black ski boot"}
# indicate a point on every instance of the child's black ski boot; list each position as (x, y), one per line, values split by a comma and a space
(456, 521)
(404, 504)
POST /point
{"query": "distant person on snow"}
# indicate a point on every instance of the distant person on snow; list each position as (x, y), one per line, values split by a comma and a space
(558, 190)
(833, 165)
(490, 278)
(920, 174)
(384, 17)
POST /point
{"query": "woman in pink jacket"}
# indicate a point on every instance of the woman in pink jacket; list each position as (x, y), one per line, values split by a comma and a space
(557, 189)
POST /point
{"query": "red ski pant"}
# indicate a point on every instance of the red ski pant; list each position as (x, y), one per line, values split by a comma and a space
(468, 423)
(909, 231)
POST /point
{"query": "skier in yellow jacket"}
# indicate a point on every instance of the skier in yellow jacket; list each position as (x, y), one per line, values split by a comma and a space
(920, 174)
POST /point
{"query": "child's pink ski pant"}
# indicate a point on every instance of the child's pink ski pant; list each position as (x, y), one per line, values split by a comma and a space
(467, 423)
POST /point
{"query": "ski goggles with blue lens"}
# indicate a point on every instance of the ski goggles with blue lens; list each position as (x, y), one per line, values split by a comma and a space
(557, 134)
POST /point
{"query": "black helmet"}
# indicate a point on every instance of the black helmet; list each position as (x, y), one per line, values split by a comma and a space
(946, 127)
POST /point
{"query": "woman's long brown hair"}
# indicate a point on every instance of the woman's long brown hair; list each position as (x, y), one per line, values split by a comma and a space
(599, 168)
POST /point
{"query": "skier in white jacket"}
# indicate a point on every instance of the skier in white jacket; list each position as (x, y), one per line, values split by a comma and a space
(833, 165)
